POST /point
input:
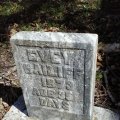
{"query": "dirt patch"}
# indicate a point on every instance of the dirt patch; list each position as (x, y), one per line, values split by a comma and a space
(9, 84)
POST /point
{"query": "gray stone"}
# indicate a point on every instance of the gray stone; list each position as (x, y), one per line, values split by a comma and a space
(18, 112)
(105, 114)
(57, 73)
(15, 114)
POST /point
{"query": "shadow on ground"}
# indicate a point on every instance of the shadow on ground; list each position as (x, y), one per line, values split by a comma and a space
(9, 94)
(69, 15)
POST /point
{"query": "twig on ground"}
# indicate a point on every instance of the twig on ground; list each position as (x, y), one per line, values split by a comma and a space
(107, 87)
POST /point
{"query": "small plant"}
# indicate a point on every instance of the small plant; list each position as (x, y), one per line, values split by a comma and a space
(99, 75)
(8, 8)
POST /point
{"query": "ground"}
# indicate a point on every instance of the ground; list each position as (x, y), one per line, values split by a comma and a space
(65, 16)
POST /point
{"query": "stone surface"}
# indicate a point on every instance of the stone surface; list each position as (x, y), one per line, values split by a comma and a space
(15, 114)
(105, 114)
(18, 112)
(57, 73)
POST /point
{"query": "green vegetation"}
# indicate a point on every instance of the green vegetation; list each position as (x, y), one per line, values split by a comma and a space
(40, 15)
(9, 7)
(99, 75)
(64, 15)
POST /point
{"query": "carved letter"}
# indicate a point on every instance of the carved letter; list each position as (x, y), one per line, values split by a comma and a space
(44, 55)
(69, 96)
(61, 95)
(51, 103)
(43, 82)
(55, 56)
(66, 58)
(32, 55)
(60, 71)
(43, 101)
(50, 82)
(35, 92)
(65, 105)
(52, 71)
(27, 68)
(44, 70)
(69, 85)
(59, 83)
(51, 93)
(37, 69)
(56, 103)
(43, 92)
(68, 72)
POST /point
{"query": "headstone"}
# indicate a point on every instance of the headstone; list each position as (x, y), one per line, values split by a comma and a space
(16, 113)
(57, 73)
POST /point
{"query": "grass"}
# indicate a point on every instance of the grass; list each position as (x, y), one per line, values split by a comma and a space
(53, 13)
(8, 8)
(66, 15)
(99, 75)
(39, 16)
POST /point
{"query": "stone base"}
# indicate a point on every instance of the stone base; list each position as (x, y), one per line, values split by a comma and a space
(105, 114)
(18, 112)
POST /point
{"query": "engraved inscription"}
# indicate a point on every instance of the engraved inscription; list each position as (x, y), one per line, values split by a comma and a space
(52, 71)
(59, 72)
(54, 55)
(53, 94)
(48, 102)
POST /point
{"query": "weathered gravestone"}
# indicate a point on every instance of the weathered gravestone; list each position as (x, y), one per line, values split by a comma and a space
(57, 73)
